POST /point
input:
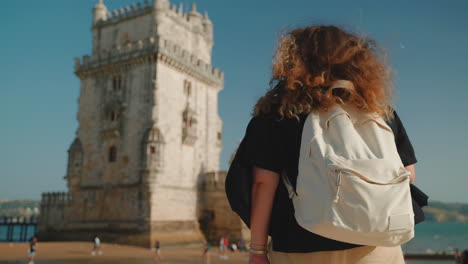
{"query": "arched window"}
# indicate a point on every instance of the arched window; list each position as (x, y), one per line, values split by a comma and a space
(219, 142)
(153, 144)
(116, 83)
(152, 149)
(112, 113)
(112, 154)
(189, 126)
(187, 88)
(75, 161)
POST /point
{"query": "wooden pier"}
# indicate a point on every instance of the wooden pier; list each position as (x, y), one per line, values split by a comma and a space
(18, 229)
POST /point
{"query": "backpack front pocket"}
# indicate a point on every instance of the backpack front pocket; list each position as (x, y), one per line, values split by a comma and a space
(369, 196)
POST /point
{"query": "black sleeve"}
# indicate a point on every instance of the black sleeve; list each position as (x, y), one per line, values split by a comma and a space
(263, 144)
(403, 143)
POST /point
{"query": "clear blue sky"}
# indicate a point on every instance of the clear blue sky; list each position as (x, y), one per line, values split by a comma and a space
(427, 42)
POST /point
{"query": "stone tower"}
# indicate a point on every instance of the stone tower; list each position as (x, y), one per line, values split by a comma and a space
(149, 129)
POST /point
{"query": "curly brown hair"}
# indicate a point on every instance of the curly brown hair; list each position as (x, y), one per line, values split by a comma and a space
(309, 60)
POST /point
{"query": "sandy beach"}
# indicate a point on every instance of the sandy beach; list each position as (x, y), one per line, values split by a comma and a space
(80, 253)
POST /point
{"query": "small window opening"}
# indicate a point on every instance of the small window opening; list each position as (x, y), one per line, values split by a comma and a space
(187, 88)
(116, 83)
(152, 149)
(112, 154)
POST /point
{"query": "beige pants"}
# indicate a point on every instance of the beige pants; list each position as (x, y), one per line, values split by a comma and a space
(359, 255)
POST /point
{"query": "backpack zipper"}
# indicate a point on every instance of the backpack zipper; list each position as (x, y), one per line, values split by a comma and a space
(338, 184)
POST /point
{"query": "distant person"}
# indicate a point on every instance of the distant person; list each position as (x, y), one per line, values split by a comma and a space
(223, 246)
(157, 248)
(234, 247)
(458, 257)
(206, 253)
(241, 244)
(32, 249)
(96, 246)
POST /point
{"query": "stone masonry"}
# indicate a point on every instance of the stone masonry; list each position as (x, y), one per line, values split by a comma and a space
(144, 163)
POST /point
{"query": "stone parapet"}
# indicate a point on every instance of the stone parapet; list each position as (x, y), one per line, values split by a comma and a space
(191, 20)
(55, 198)
(214, 181)
(135, 52)
(125, 13)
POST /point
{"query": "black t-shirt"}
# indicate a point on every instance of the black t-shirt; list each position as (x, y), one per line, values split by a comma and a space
(273, 143)
(32, 246)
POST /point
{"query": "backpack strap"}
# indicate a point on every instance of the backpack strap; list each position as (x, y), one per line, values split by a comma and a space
(287, 183)
(342, 84)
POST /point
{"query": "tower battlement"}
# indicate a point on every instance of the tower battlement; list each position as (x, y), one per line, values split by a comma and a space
(165, 50)
(192, 20)
(124, 13)
(214, 181)
(55, 198)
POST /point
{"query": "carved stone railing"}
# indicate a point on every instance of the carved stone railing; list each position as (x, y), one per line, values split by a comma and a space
(55, 198)
(167, 51)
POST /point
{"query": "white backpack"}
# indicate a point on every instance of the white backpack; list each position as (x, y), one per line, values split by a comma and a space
(352, 185)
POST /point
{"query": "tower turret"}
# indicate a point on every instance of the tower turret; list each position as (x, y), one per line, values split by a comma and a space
(195, 19)
(207, 26)
(180, 11)
(159, 7)
(161, 4)
(194, 16)
(99, 12)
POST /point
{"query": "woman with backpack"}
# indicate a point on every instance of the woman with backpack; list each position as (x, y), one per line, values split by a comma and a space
(328, 116)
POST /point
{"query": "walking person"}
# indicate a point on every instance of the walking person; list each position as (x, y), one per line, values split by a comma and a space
(157, 249)
(339, 84)
(32, 249)
(225, 247)
(241, 244)
(96, 246)
(206, 253)
(221, 247)
(234, 247)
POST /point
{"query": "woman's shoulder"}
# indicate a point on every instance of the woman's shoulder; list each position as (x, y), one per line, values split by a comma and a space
(274, 118)
(264, 120)
(393, 120)
(261, 124)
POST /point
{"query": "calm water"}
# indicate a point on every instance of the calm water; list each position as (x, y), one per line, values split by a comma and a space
(438, 237)
(16, 232)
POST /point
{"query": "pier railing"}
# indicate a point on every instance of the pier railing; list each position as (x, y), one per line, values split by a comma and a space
(17, 229)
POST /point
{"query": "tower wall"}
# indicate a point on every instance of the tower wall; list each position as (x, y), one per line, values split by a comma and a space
(216, 217)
